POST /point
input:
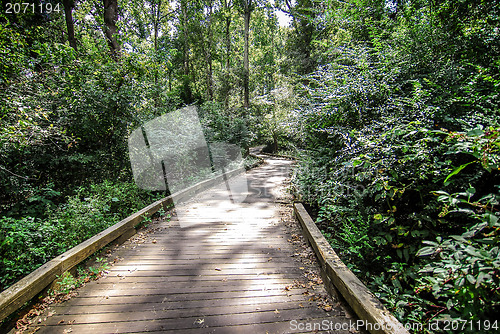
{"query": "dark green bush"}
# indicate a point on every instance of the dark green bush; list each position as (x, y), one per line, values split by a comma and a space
(26, 243)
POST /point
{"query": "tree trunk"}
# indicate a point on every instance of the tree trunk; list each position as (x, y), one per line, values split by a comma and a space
(110, 29)
(227, 5)
(208, 54)
(156, 26)
(187, 94)
(246, 70)
(185, 35)
(68, 14)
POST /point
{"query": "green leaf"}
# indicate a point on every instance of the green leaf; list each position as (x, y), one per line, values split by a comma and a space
(475, 133)
(449, 304)
(457, 170)
(425, 251)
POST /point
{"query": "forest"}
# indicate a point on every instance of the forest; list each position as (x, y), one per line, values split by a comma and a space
(390, 108)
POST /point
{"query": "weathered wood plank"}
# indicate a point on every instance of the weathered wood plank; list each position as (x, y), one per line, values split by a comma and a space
(179, 314)
(117, 306)
(232, 306)
(127, 322)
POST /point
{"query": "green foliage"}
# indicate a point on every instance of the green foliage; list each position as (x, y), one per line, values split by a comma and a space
(66, 282)
(28, 242)
(397, 114)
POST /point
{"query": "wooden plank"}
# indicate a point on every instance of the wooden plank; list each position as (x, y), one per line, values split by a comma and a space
(141, 290)
(217, 297)
(133, 314)
(77, 306)
(177, 312)
(203, 322)
(28, 287)
(227, 285)
(201, 293)
(196, 272)
(201, 261)
(362, 300)
(249, 277)
(276, 327)
(221, 266)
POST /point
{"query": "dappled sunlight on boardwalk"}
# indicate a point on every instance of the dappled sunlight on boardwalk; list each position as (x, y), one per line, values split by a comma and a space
(229, 267)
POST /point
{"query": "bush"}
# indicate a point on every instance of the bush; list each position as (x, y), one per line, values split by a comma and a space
(396, 189)
(27, 243)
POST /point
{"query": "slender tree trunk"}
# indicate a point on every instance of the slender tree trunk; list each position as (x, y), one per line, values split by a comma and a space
(187, 94)
(110, 29)
(246, 70)
(185, 35)
(68, 14)
(208, 54)
(227, 5)
(170, 80)
(156, 27)
(155, 8)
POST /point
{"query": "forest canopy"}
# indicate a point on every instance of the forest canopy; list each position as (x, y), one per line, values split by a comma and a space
(390, 107)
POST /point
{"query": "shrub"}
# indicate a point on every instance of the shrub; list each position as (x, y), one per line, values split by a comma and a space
(27, 243)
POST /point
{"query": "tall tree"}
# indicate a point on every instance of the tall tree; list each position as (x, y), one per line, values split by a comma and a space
(184, 27)
(247, 6)
(68, 14)
(227, 4)
(110, 28)
(303, 14)
(208, 50)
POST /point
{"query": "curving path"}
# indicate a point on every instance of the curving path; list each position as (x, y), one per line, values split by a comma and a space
(232, 268)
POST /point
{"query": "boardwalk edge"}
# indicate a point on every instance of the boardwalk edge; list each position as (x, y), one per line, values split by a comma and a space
(366, 305)
(25, 289)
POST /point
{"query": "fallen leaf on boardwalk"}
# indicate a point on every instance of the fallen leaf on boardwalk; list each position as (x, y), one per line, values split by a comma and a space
(224, 279)
(199, 321)
(69, 330)
(276, 311)
(327, 308)
(36, 329)
(300, 305)
(218, 269)
(154, 241)
(269, 259)
(60, 321)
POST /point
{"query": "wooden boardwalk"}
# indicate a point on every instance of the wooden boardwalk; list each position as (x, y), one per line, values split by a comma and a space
(235, 268)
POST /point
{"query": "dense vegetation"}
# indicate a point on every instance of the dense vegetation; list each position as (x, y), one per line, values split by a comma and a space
(401, 137)
(390, 106)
